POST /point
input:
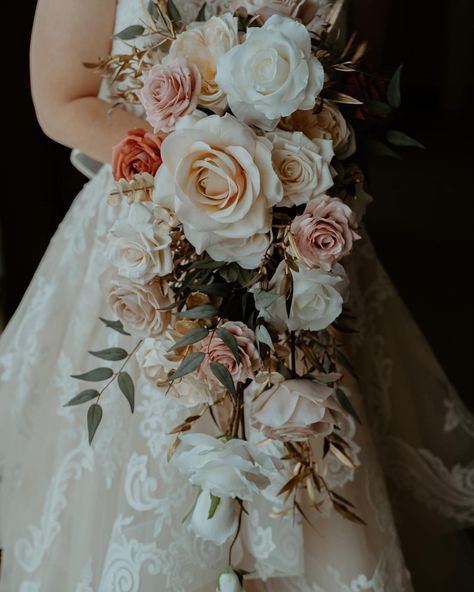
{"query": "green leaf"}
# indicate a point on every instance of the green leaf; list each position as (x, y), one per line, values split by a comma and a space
(380, 149)
(83, 397)
(263, 336)
(95, 375)
(188, 365)
(127, 387)
(115, 325)
(265, 299)
(207, 264)
(401, 139)
(193, 336)
(206, 311)
(94, 417)
(215, 501)
(346, 404)
(213, 289)
(153, 11)
(393, 93)
(378, 107)
(230, 341)
(173, 12)
(344, 360)
(230, 274)
(201, 16)
(112, 354)
(223, 376)
(130, 32)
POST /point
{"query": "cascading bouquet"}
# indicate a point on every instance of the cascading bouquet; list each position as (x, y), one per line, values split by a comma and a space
(243, 201)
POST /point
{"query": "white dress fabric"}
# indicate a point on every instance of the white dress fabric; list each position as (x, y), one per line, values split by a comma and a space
(108, 518)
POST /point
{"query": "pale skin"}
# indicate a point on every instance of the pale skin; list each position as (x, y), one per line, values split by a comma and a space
(67, 33)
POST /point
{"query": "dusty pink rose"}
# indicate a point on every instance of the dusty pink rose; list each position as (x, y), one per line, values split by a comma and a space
(218, 351)
(296, 409)
(138, 306)
(138, 152)
(325, 232)
(169, 92)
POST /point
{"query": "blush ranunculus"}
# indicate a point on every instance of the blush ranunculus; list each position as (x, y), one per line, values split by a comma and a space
(325, 232)
(170, 91)
(138, 152)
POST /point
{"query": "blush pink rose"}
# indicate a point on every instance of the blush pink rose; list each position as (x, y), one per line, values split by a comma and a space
(138, 152)
(325, 232)
(170, 91)
(218, 351)
(296, 409)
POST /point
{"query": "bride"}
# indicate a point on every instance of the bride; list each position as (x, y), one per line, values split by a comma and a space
(109, 517)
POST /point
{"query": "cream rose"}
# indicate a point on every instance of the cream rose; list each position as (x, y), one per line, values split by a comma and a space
(272, 74)
(250, 250)
(223, 524)
(229, 581)
(316, 303)
(140, 246)
(203, 44)
(217, 175)
(303, 166)
(327, 124)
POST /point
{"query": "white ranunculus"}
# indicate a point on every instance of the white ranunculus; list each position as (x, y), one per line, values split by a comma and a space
(303, 166)
(217, 175)
(140, 245)
(317, 299)
(272, 74)
(229, 582)
(203, 43)
(223, 524)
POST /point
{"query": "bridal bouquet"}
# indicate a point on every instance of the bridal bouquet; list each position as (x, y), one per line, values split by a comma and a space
(244, 203)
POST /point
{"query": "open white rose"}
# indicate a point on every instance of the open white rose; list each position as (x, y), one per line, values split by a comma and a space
(221, 526)
(203, 43)
(250, 250)
(140, 246)
(316, 303)
(272, 74)
(303, 166)
(217, 175)
(229, 582)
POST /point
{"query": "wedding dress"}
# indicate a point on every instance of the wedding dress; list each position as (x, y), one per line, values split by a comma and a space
(108, 518)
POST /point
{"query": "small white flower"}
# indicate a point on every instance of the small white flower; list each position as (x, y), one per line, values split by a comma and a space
(229, 582)
(221, 526)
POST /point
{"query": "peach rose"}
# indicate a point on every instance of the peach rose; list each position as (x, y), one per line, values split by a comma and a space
(296, 409)
(138, 152)
(138, 307)
(169, 92)
(218, 351)
(324, 233)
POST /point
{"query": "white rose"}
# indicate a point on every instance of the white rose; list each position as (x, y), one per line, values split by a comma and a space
(140, 246)
(203, 44)
(223, 524)
(250, 250)
(303, 166)
(217, 175)
(316, 303)
(272, 74)
(229, 582)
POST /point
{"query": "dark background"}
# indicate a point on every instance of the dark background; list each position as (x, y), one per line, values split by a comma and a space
(420, 221)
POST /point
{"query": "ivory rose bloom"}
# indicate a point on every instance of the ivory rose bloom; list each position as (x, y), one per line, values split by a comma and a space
(169, 92)
(295, 410)
(217, 351)
(271, 74)
(316, 303)
(221, 527)
(203, 44)
(140, 245)
(138, 306)
(327, 124)
(325, 232)
(250, 250)
(217, 175)
(229, 582)
(138, 152)
(303, 166)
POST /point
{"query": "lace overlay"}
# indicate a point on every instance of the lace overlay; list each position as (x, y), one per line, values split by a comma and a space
(109, 518)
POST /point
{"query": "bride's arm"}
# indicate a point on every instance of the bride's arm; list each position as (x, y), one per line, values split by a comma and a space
(65, 34)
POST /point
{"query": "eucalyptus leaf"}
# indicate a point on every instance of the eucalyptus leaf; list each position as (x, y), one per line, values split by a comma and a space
(393, 92)
(398, 138)
(188, 365)
(381, 149)
(131, 32)
(230, 274)
(215, 501)
(112, 354)
(83, 397)
(229, 339)
(263, 336)
(173, 12)
(216, 289)
(207, 264)
(115, 325)
(206, 311)
(191, 337)
(94, 417)
(345, 403)
(95, 375)
(201, 16)
(153, 10)
(265, 299)
(223, 376)
(127, 387)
